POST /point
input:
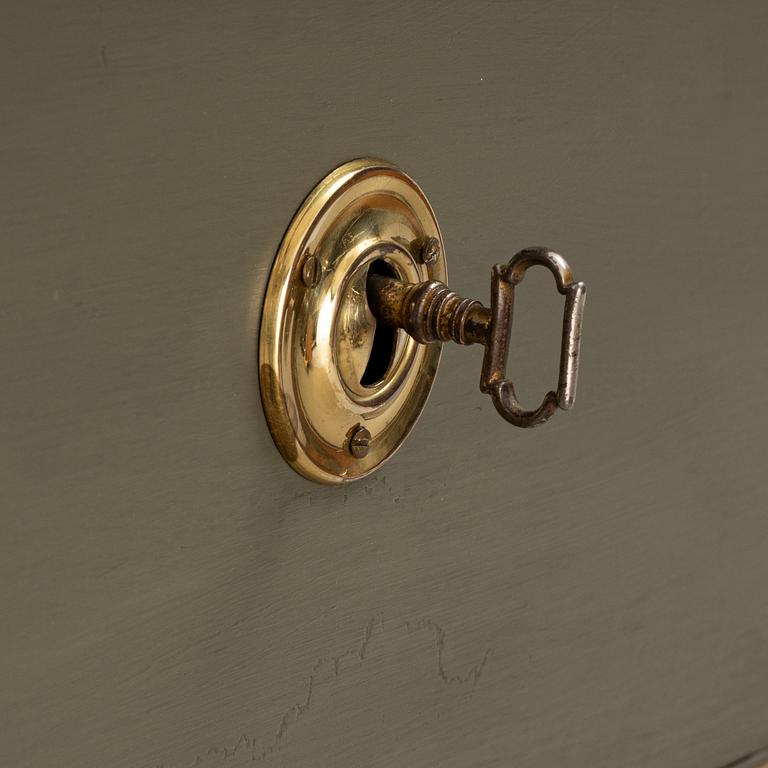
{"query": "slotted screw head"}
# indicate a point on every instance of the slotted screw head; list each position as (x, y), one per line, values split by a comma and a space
(359, 442)
(310, 271)
(430, 251)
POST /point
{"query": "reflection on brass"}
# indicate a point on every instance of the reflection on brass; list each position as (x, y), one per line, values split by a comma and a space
(355, 311)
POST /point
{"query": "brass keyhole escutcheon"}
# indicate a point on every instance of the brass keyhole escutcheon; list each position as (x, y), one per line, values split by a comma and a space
(328, 368)
(355, 314)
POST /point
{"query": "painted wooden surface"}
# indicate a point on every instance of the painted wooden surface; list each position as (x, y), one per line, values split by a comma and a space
(593, 593)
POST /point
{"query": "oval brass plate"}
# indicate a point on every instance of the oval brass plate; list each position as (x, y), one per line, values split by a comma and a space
(324, 371)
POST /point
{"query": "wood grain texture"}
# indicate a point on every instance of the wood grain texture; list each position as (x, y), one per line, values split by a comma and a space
(594, 593)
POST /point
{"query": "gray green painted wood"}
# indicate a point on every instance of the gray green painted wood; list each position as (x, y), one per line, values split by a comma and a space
(593, 593)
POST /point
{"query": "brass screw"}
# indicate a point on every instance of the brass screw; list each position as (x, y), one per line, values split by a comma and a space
(359, 442)
(310, 271)
(430, 251)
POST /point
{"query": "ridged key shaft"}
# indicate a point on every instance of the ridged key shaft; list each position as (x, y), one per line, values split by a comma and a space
(428, 311)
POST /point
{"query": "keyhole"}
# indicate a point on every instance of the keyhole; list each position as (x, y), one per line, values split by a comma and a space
(384, 338)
